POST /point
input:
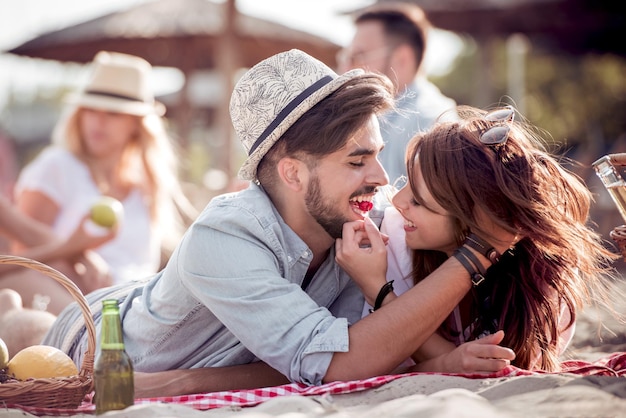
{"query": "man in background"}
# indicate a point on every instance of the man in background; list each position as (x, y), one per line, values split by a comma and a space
(391, 39)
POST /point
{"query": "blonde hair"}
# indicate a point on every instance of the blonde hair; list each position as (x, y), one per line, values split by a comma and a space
(150, 163)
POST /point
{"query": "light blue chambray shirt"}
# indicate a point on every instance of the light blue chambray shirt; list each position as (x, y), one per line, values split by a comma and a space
(231, 294)
(417, 109)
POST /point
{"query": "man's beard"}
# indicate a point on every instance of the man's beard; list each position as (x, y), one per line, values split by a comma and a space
(325, 213)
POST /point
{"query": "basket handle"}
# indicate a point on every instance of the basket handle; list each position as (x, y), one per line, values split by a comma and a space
(70, 286)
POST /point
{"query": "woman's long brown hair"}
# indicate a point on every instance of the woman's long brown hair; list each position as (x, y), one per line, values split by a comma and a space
(560, 260)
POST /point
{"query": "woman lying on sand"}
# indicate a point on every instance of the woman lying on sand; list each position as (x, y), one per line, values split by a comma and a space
(467, 179)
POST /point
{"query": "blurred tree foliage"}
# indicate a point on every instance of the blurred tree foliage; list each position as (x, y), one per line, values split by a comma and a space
(579, 100)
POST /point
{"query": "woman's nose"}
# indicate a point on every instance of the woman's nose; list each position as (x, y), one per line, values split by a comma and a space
(399, 199)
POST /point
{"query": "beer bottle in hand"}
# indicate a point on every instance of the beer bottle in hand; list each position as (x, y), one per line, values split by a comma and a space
(113, 369)
(612, 179)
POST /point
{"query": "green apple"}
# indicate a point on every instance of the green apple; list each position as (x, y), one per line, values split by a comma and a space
(107, 212)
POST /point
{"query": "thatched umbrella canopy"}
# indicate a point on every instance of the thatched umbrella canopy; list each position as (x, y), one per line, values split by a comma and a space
(178, 33)
(186, 34)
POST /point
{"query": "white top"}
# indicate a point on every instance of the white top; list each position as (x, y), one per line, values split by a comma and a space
(399, 267)
(134, 253)
(399, 264)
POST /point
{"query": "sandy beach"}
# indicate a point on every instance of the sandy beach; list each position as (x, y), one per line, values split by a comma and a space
(588, 390)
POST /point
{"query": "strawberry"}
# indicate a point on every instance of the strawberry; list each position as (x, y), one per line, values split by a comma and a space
(365, 206)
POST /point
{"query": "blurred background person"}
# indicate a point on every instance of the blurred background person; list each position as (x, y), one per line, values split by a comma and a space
(112, 141)
(391, 38)
(36, 290)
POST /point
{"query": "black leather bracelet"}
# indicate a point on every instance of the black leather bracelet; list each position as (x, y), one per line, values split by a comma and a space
(483, 247)
(471, 264)
(470, 255)
(382, 294)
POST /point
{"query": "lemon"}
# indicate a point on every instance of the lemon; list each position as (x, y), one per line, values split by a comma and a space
(4, 355)
(41, 361)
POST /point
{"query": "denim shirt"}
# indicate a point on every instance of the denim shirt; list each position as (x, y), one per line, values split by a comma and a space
(417, 108)
(231, 294)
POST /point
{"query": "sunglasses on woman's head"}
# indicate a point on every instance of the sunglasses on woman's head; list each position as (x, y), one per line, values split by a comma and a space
(498, 134)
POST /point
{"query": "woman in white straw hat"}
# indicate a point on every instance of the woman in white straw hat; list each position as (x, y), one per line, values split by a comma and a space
(111, 142)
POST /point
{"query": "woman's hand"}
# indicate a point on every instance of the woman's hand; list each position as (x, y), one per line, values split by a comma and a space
(73, 254)
(481, 355)
(84, 239)
(362, 254)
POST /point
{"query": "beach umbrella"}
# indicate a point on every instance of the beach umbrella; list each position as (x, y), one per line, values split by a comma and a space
(180, 33)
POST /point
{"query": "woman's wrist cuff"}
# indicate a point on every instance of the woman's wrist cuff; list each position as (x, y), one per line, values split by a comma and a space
(471, 264)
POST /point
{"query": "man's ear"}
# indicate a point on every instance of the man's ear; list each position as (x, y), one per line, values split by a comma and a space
(292, 172)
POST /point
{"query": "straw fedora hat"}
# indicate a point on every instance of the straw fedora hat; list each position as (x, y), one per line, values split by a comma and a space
(119, 83)
(272, 95)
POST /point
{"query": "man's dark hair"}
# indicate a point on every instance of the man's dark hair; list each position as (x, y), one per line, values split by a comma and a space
(403, 23)
(328, 125)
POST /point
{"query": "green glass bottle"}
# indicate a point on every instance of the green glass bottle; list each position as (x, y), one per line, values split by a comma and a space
(113, 370)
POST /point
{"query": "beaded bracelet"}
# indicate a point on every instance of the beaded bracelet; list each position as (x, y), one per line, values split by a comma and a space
(382, 294)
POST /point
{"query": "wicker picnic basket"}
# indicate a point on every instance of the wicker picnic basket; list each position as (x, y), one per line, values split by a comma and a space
(62, 393)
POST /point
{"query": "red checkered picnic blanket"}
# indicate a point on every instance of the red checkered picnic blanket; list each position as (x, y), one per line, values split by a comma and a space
(611, 365)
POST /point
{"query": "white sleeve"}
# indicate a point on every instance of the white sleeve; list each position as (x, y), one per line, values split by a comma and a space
(399, 263)
(46, 174)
